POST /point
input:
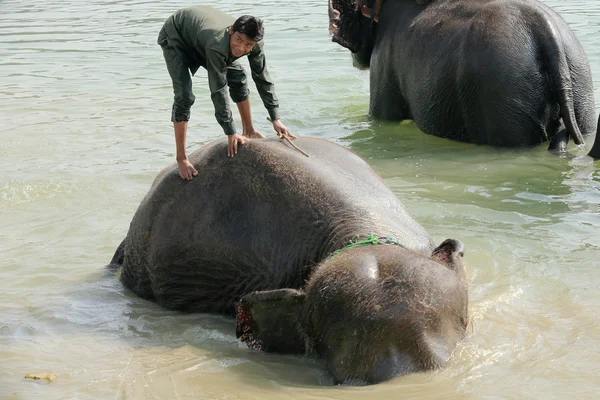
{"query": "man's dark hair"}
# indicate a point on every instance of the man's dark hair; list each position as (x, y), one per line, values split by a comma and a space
(249, 26)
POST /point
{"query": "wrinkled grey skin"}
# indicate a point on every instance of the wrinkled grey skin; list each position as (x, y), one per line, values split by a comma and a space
(253, 235)
(503, 73)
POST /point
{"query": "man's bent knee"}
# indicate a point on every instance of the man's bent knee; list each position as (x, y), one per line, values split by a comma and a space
(185, 101)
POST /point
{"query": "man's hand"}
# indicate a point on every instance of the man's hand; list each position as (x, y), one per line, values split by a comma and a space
(252, 133)
(232, 145)
(281, 130)
(186, 169)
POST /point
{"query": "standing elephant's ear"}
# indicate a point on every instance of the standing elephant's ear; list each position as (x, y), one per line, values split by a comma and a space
(270, 321)
(450, 253)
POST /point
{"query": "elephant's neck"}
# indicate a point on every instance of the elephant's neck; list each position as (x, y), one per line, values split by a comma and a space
(349, 236)
(372, 239)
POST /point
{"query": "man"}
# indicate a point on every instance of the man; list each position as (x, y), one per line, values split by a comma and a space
(202, 36)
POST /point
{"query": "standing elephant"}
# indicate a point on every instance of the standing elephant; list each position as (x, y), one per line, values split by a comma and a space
(502, 73)
(265, 236)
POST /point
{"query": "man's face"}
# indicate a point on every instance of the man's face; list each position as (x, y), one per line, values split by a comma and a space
(240, 44)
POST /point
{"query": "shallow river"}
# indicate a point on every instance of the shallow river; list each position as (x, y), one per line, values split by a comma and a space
(84, 108)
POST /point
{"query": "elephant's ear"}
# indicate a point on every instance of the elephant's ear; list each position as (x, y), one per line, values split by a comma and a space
(450, 253)
(270, 321)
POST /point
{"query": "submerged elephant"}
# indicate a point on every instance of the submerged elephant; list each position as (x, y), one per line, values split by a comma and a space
(503, 73)
(265, 235)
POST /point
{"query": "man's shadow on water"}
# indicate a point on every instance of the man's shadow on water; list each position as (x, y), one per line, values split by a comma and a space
(103, 305)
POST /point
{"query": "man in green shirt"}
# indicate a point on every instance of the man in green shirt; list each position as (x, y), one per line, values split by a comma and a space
(202, 36)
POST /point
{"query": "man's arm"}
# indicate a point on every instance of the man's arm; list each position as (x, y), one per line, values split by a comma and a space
(185, 167)
(217, 82)
(262, 79)
(266, 89)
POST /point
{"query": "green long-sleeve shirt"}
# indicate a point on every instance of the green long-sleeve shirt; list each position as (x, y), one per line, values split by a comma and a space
(200, 34)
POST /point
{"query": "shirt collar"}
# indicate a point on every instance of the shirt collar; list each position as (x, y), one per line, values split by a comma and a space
(223, 45)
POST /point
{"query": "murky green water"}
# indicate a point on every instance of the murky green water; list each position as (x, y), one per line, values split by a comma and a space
(84, 108)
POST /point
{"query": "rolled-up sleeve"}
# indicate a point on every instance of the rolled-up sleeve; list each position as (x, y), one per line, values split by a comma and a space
(262, 79)
(217, 82)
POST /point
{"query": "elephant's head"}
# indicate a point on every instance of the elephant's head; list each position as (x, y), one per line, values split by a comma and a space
(370, 313)
(353, 30)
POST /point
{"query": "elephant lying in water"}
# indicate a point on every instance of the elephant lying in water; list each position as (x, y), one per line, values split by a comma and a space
(504, 73)
(265, 235)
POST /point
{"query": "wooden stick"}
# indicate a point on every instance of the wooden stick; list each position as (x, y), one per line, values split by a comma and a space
(289, 141)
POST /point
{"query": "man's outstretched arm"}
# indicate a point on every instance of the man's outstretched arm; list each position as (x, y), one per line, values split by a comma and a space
(266, 89)
(217, 82)
(185, 167)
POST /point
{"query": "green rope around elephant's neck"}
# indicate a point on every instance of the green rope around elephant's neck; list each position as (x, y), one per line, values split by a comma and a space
(372, 239)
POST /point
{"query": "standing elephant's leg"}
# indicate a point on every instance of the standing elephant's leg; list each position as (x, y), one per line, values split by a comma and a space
(595, 150)
(583, 105)
(386, 100)
(504, 93)
(390, 106)
(501, 114)
(583, 95)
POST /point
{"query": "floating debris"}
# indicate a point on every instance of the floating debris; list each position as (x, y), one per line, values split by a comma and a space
(41, 376)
